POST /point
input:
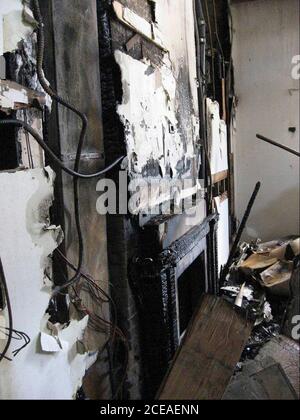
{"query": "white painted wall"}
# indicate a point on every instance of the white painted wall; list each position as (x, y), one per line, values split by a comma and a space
(26, 244)
(14, 24)
(266, 37)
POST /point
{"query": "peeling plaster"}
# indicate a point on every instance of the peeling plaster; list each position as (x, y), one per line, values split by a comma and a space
(217, 138)
(159, 108)
(27, 241)
(16, 34)
(16, 23)
(148, 113)
(156, 142)
(141, 26)
(25, 72)
(179, 16)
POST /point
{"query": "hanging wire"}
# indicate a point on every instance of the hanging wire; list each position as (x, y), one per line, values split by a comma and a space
(9, 311)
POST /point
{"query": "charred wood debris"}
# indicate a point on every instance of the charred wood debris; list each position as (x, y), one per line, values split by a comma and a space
(262, 281)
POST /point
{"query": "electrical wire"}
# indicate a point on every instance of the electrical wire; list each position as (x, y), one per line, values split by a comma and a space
(84, 121)
(115, 331)
(56, 159)
(9, 311)
(92, 283)
(17, 335)
(96, 319)
(217, 32)
(229, 81)
(9, 331)
(28, 145)
(96, 323)
(82, 116)
(76, 175)
(202, 106)
(212, 50)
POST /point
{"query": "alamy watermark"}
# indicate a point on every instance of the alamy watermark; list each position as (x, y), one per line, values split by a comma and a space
(296, 328)
(296, 67)
(149, 196)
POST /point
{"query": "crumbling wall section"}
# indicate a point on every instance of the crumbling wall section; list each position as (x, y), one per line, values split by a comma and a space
(50, 367)
(159, 108)
(54, 360)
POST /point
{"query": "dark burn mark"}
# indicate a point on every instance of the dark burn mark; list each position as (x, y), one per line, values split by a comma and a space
(152, 5)
(111, 87)
(150, 70)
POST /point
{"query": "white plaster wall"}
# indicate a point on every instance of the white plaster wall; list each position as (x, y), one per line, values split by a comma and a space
(14, 23)
(26, 242)
(266, 37)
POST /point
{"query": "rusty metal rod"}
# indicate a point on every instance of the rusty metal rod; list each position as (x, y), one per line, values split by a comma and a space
(281, 146)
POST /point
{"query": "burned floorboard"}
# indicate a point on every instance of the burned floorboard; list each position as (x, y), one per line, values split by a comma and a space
(209, 353)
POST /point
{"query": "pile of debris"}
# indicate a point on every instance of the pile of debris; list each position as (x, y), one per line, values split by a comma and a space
(263, 281)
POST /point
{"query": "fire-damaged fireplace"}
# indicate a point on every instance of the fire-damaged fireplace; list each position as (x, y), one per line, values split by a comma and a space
(190, 286)
(167, 287)
(160, 266)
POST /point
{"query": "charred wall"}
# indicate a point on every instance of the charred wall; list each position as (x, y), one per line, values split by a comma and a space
(122, 50)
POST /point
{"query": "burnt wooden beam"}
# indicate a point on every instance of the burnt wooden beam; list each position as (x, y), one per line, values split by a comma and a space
(72, 64)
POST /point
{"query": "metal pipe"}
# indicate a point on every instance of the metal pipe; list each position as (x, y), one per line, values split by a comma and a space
(281, 146)
(239, 233)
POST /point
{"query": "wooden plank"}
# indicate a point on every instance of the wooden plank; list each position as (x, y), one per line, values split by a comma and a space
(208, 355)
(139, 25)
(220, 176)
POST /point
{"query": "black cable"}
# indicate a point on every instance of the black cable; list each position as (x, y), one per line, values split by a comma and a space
(212, 50)
(200, 29)
(56, 159)
(9, 311)
(75, 172)
(95, 285)
(55, 96)
(43, 81)
(201, 35)
(17, 335)
(217, 32)
(44, 84)
(116, 331)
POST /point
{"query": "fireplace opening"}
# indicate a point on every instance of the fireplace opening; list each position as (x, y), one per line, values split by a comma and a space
(190, 287)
